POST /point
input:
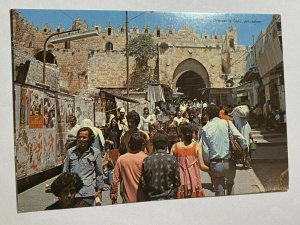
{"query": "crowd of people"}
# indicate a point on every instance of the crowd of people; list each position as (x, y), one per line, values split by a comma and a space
(151, 158)
(270, 117)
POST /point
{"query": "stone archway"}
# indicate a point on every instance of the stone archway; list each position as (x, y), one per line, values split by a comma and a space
(191, 78)
(50, 58)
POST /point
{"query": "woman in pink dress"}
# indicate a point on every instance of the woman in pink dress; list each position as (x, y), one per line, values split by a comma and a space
(190, 161)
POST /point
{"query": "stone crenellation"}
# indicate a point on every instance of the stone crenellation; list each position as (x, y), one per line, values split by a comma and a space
(100, 61)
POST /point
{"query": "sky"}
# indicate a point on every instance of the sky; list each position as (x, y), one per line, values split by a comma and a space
(248, 25)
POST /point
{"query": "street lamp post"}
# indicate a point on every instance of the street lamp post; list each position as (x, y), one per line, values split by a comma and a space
(44, 51)
(61, 39)
(126, 49)
(127, 60)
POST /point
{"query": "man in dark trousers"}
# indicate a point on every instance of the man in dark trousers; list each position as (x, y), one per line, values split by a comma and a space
(86, 161)
(160, 173)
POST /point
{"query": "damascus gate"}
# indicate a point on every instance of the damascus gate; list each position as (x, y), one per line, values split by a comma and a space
(200, 65)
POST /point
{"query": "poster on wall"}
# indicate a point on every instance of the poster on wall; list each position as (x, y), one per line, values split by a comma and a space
(49, 112)
(60, 147)
(35, 149)
(70, 109)
(61, 116)
(17, 102)
(22, 153)
(23, 108)
(87, 105)
(61, 128)
(48, 154)
(35, 110)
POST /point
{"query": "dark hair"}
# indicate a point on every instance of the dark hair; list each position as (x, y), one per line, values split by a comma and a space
(72, 117)
(212, 111)
(112, 120)
(171, 114)
(91, 134)
(186, 131)
(111, 128)
(137, 141)
(66, 180)
(184, 114)
(160, 140)
(133, 115)
(178, 111)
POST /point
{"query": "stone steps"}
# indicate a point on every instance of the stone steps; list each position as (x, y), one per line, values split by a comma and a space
(270, 153)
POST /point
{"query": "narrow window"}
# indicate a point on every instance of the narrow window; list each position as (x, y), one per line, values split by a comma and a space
(67, 45)
(109, 31)
(109, 46)
(231, 43)
(158, 33)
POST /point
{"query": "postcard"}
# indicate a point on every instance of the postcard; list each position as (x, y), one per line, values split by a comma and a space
(181, 60)
(128, 109)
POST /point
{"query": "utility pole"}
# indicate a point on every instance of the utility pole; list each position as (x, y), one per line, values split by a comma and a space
(127, 61)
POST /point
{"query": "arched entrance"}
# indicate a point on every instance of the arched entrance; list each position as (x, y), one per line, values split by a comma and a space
(191, 84)
(191, 78)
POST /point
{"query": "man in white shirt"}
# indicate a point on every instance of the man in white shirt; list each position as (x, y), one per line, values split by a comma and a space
(183, 106)
(72, 130)
(146, 119)
(122, 121)
(179, 117)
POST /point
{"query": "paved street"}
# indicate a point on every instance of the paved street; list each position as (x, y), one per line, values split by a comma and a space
(269, 161)
(36, 199)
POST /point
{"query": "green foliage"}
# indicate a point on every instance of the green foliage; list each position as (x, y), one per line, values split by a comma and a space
(142, 48)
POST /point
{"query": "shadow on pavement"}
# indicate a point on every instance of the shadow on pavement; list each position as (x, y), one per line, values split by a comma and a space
(208, 186)
(268, 172)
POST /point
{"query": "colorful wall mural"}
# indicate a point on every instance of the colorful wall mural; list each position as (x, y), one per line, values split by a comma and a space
(41, 120)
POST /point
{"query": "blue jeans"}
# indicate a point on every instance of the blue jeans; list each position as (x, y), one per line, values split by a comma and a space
(223, 174)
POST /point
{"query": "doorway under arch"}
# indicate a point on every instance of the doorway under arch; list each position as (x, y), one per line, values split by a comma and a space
(191, 84)
(191, 78)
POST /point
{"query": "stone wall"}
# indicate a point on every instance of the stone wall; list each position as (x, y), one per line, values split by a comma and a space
(87, 63)
(34, 70)
(108, 70)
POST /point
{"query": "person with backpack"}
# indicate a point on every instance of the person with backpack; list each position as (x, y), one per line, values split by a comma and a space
(215, 144)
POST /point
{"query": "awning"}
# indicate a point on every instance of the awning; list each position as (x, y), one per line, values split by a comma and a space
(250, 75)
(120, 97)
